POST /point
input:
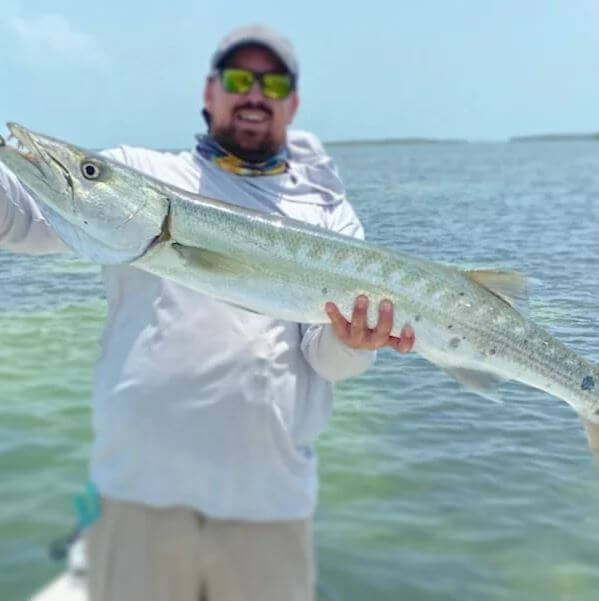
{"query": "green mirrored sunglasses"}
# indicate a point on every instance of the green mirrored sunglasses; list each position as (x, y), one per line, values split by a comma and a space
(276, 86)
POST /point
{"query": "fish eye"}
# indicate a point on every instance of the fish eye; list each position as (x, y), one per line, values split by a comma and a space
(90, 170)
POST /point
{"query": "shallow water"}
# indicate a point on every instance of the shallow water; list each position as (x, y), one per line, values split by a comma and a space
(428, 492)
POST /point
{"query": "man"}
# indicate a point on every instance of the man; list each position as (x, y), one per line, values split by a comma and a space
(205, 415)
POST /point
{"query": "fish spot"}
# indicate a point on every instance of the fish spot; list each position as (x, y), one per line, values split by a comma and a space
(325, 290)
(417, 318)
(462, 293)
(525, 341)
(450, 326)
(587, 383)
(492, 351)
(463, 337)
(454, 342)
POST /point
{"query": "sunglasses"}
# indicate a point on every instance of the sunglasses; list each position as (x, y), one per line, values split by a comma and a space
(276, 86)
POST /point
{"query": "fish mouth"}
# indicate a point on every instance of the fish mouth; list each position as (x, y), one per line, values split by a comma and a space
(28, 148)
(25, 146)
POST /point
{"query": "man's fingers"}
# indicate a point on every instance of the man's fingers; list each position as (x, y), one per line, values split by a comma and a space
(357, 334)
(381, 333)
(339, 323)
(358, 329)
(405, 342)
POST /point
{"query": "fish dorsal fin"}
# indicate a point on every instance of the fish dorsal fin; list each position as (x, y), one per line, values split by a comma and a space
(479, 382)
(509, 286)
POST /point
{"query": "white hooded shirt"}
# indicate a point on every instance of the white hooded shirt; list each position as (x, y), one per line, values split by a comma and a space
(197, 403)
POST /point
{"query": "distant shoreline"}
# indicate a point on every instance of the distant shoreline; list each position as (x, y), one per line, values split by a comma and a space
(393, 141)
(549, 137)
(556, 138)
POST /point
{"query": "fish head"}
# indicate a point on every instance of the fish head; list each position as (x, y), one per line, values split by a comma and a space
(90, 198)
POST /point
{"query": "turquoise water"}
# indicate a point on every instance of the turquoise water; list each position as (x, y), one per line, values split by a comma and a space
(428, 493)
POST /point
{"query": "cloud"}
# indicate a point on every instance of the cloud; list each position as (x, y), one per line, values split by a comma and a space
(51, 37)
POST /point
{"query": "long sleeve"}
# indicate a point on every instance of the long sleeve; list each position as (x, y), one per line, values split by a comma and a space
(330, 358)
(23, 229)
(327, 355)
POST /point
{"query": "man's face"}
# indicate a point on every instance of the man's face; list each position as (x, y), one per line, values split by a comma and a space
(250, 125)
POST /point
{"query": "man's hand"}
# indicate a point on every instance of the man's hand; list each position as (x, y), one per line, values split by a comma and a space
(358, 335)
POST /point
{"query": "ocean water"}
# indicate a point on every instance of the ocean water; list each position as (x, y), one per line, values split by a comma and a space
(428, 493)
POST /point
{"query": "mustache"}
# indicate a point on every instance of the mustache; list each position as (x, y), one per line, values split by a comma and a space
(253, 106)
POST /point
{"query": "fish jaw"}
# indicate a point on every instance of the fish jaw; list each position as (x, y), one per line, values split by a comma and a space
(32, 165)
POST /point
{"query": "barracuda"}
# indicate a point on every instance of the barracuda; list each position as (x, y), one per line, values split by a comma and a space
(469, 323)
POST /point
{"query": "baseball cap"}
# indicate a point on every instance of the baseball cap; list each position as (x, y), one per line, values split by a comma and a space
(258, 35)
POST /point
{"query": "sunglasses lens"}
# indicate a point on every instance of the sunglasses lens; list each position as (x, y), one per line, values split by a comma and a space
(237, 81)
(277, 86)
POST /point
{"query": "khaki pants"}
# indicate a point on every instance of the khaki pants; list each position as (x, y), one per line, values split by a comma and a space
(140, 553)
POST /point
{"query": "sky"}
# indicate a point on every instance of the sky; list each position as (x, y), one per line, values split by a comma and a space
(105, 73)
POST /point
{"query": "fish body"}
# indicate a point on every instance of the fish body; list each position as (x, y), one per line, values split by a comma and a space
(466, 322)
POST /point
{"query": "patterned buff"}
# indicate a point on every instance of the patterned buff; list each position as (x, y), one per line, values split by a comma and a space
(212, 151)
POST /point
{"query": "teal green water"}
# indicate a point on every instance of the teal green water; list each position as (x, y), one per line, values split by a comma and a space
(428, 493)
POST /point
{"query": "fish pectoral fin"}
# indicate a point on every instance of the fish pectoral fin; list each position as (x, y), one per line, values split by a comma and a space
(509, 286)
(482, 383)
(213, 262)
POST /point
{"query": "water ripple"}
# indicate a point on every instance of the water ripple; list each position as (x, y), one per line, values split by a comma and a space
(428, 493)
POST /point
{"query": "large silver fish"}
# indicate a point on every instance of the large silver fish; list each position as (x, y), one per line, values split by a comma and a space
(466, 322)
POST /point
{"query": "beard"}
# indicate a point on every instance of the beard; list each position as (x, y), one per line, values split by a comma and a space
(247, 145)
(259, 151)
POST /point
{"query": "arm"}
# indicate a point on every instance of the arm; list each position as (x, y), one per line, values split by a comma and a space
(323, 350)
(329, 357)
(344, 349)
(23, 229)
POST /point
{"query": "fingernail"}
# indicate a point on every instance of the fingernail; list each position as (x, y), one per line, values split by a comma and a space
(361, 302)
(407, 331)
(385, 306)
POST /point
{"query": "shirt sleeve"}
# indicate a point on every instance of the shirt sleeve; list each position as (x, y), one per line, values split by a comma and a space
(324, 352)
(23, 228)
